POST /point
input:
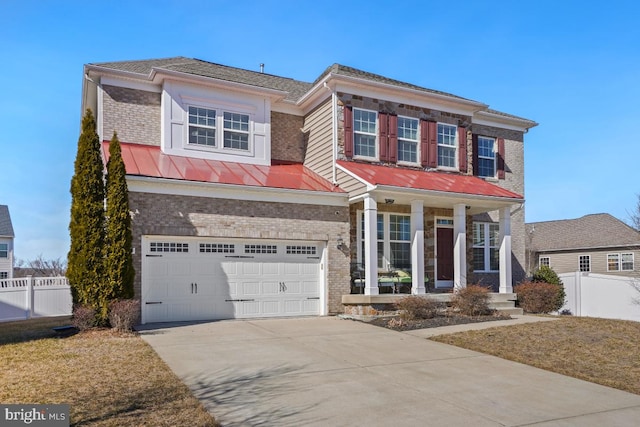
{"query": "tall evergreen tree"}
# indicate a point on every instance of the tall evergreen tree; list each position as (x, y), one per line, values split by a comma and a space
(85, 265)
(118, 258)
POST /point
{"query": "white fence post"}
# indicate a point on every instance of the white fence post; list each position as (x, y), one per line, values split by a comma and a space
(578, 291)
(29, 295)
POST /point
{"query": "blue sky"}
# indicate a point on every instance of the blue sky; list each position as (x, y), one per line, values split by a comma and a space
(572, 66)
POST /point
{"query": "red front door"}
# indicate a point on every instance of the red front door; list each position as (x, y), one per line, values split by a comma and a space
(444, 254)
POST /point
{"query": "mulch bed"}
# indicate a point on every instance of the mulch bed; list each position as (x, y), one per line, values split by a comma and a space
(448, 319)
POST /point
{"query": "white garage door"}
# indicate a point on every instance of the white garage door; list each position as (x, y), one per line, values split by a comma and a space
(201, 279)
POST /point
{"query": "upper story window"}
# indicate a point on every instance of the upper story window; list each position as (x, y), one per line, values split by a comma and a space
(205, 128)
(236, 131)
(408, 139)
(447, 145)
(202, 126)
(486, 157)
(364, 133)
(4, 250)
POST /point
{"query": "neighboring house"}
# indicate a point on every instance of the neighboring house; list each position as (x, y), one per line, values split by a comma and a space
(258, 195)
(6, 243)
(597, 243)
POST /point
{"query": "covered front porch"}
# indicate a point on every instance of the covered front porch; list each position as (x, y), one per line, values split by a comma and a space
(413, 232)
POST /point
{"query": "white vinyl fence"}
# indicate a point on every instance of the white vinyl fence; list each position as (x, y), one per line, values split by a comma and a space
(601, 295)
(29, 297)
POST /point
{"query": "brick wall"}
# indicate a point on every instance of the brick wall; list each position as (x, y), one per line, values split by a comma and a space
(170, 215)
(287, 139)
(133, 114)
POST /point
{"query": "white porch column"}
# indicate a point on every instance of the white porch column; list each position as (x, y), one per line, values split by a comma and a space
(417, 247)
(370, 246)
(506, 283)
(459, 247)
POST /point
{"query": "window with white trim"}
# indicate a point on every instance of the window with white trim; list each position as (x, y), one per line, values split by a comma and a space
(393, 240)
(486, 247)
(447, 146)
(4, 250)
(620, 262)
(408, 139)
(584, 263)
(544, 261)
(208, 126)
(4, 275)
(486, 157)
(301, 250)
(260, 249)
(365, 124)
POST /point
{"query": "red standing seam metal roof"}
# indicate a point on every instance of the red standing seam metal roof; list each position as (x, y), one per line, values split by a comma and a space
(421, 180)
(150, 161)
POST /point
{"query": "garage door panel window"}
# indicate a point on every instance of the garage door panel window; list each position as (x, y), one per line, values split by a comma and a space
(301, 250)
(168, 247)
(260, 249)
(217, 248)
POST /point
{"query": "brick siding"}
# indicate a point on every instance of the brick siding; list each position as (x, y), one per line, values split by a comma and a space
(287, 139)
(133, 114)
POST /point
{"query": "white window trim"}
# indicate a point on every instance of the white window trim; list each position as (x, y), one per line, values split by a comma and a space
(487, 246)
(386, 253)
(548, 261)
(375, 135)
(220, 129)
(494, 158)
(620, 263)
(456, 147)
(417, 141)
(579, 266)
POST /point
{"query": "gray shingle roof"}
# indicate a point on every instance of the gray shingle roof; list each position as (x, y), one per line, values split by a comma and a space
(590, 231)
(6, 228)
(294, 88)
(344, 70)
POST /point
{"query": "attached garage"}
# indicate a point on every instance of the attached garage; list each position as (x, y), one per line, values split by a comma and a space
(187, 279)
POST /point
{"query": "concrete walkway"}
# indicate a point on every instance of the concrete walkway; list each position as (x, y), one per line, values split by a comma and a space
(333, 372)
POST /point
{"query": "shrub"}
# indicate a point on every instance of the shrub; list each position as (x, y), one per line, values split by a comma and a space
(124, 314)
(415, 307)
(84, 317)
(471, 301)
(537, 297)
(546, 274)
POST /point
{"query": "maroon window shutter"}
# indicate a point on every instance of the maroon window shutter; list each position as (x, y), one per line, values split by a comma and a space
(474, 153)
(393, 138)
(500, 158)
(433, 144)
(424, 143)
(348, 131)
(383, 142)
(462, 149)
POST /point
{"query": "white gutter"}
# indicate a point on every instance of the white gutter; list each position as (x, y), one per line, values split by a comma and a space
(334, 133)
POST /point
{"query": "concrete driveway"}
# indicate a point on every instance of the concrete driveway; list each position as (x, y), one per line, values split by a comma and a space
(333, 372)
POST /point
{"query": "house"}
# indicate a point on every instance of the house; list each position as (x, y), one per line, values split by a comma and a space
(255, 195)
(597, 243)
(6, 243)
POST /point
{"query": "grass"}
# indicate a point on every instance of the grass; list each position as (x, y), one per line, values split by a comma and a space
(602, 351)
(107, 378)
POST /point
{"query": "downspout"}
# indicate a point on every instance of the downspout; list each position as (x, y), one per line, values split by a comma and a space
(334, 133)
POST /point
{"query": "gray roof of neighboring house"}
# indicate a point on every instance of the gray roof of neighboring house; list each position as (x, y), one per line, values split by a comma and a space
(6, 229)
(295, 89)
(590, 231)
